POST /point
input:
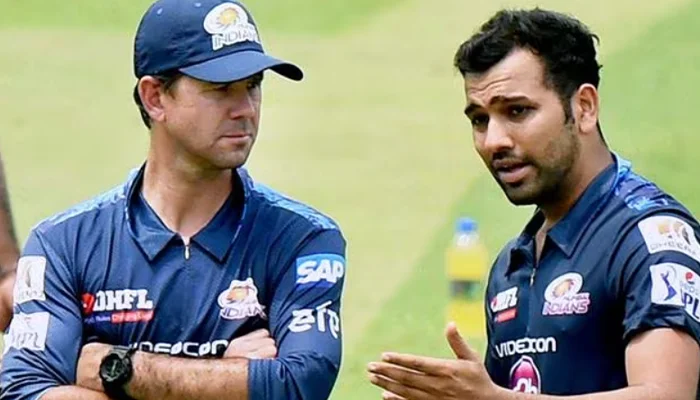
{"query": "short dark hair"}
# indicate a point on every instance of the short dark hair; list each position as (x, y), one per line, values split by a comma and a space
(167, 79)
(564, 44)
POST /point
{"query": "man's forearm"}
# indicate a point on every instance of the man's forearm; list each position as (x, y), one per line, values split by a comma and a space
(72, 393)
(9, 251)
(170, 378)
(628, 393)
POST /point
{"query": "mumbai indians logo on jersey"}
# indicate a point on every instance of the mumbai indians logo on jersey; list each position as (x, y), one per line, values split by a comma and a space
(240, 301)
(562, 296)
(320, 270)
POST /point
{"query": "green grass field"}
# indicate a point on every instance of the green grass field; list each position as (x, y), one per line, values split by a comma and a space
(374, 136)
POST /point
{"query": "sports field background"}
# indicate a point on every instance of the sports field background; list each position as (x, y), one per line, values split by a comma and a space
(374, 136)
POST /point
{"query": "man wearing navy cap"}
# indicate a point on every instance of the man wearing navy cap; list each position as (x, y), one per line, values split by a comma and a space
(190, 280)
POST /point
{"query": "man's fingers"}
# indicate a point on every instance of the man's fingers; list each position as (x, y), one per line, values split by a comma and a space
(397, 389)
(387, 395)
(426, 365)
(250, 340)
(406, 377)
(259, 334)
(267, 352)
(459, 346)
(252, 348)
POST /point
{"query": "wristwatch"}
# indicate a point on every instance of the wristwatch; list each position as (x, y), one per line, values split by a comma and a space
(116, 370)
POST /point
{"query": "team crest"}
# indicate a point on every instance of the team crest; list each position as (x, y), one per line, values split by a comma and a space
(228, 24)
(240, 301)
(562, 296)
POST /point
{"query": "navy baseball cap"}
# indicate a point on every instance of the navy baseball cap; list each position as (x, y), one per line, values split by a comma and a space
(210, 40)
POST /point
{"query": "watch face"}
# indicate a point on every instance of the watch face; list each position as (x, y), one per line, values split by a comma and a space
(112, 369)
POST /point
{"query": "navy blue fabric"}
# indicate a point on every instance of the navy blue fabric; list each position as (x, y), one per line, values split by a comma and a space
(624, 260)
(110, 271)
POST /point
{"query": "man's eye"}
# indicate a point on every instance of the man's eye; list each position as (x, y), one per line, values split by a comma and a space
(220, 88)
(518, 111)
(255, 82)
(479, 121)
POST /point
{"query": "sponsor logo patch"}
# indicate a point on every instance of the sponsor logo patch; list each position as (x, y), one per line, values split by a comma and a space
(117, 306)
(31, 279)
(675, 285)
(323, 318)
(526, 346)
(667, 233)
(665, 285)
(189, 349)
(28, 331)
(525, 376)
(503, 305)
(319, 270)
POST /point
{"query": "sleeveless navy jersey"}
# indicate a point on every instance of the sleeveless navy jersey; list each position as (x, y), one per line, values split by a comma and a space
(110, 271)
(624, 260)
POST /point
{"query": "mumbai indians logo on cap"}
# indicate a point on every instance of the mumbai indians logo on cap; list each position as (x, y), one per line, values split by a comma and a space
(228, 24)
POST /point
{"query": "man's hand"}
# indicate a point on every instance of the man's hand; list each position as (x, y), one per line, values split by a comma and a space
(409, 377)
(257, 344)
(91, 356)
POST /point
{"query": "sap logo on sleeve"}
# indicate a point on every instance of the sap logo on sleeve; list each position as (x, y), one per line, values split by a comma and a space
(305, 319)
(28, 331)
(31, 279)
(320, 270)
(667, 233)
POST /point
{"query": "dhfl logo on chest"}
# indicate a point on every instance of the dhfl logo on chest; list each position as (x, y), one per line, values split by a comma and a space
(116, 300)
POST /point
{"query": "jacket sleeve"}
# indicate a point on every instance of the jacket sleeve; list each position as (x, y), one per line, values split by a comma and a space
(45, 336)
(305, 322)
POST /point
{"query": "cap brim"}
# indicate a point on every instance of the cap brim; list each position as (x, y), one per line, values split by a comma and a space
(241, 65)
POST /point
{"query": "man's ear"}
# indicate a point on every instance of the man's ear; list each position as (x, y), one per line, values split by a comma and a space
(150, 90)
(586, 107)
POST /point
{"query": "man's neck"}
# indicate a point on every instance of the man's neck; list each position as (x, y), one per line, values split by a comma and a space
(185, 199)
(578, 181)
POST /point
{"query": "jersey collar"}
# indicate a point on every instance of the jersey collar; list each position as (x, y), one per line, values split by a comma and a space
(152, 236)
(567, 233)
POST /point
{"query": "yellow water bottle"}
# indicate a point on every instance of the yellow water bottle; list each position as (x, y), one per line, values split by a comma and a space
(467, 263)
